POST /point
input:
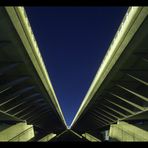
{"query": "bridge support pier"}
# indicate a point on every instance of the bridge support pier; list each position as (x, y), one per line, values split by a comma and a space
(17, 132)
(47, 137)
(91, 138)
(123, 131)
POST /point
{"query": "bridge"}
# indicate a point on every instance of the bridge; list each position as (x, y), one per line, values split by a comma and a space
(26, 92)
(115, 107)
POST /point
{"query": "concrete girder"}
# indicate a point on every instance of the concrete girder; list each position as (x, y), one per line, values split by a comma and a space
(123, 108)
(38, 113)
(24, 102)
(28, 45)
(26, 134)
(34, 110)
(137, 79)
(26, 89)
(103, 115)
(114, 110)
(127, 132)
(13, 83)
(11, 116)
(75, 133)
(8, 67)
(127, 101)
(8, 107)
(145, 59)
(133, 22)
(18, 132)
(98, 120)
(134, 93)
(9, 100)
(107, 112)
(5, 89)
(30, 119)
(23, 110)
(14, 107)
(26, 98)
(19, 92)
(133, 70)
(102, 118)
(91, 137)
(47, 137)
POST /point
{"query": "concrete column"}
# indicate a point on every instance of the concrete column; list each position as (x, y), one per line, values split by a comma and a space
(127, 132)
(17, 132)
(47, 137)
(106, 136)
(90, 137)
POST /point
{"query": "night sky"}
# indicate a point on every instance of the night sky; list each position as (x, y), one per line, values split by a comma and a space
(73, 42)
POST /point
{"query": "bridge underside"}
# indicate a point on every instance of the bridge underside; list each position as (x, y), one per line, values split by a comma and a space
(123, 95)
(68, 136)
(23, 94)
(118, 99)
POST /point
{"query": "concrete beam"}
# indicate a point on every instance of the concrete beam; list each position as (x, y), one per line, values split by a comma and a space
(75, 133)
(100, 117)
(26, 98)
(90, 137)
(132, 21)
(137, 79)
(127, 101)
(134, 93)
(24, 32)
(8, 67)
(32, 111)
(116, 111)
(120, 106)
(17, 132)
(9, 116)
(107, 117)
(22, 110)
(110, 114)
(127, 132)
(23, 103)
(38, 116)
(99, 121)
(13, 83)
(47, 137)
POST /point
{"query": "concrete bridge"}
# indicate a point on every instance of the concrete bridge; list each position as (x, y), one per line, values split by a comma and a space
(26, 93)
(116, 100)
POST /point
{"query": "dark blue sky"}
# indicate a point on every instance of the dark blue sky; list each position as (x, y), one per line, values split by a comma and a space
(73, 42)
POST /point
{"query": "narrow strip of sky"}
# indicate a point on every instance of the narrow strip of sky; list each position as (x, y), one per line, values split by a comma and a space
(73, 42)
